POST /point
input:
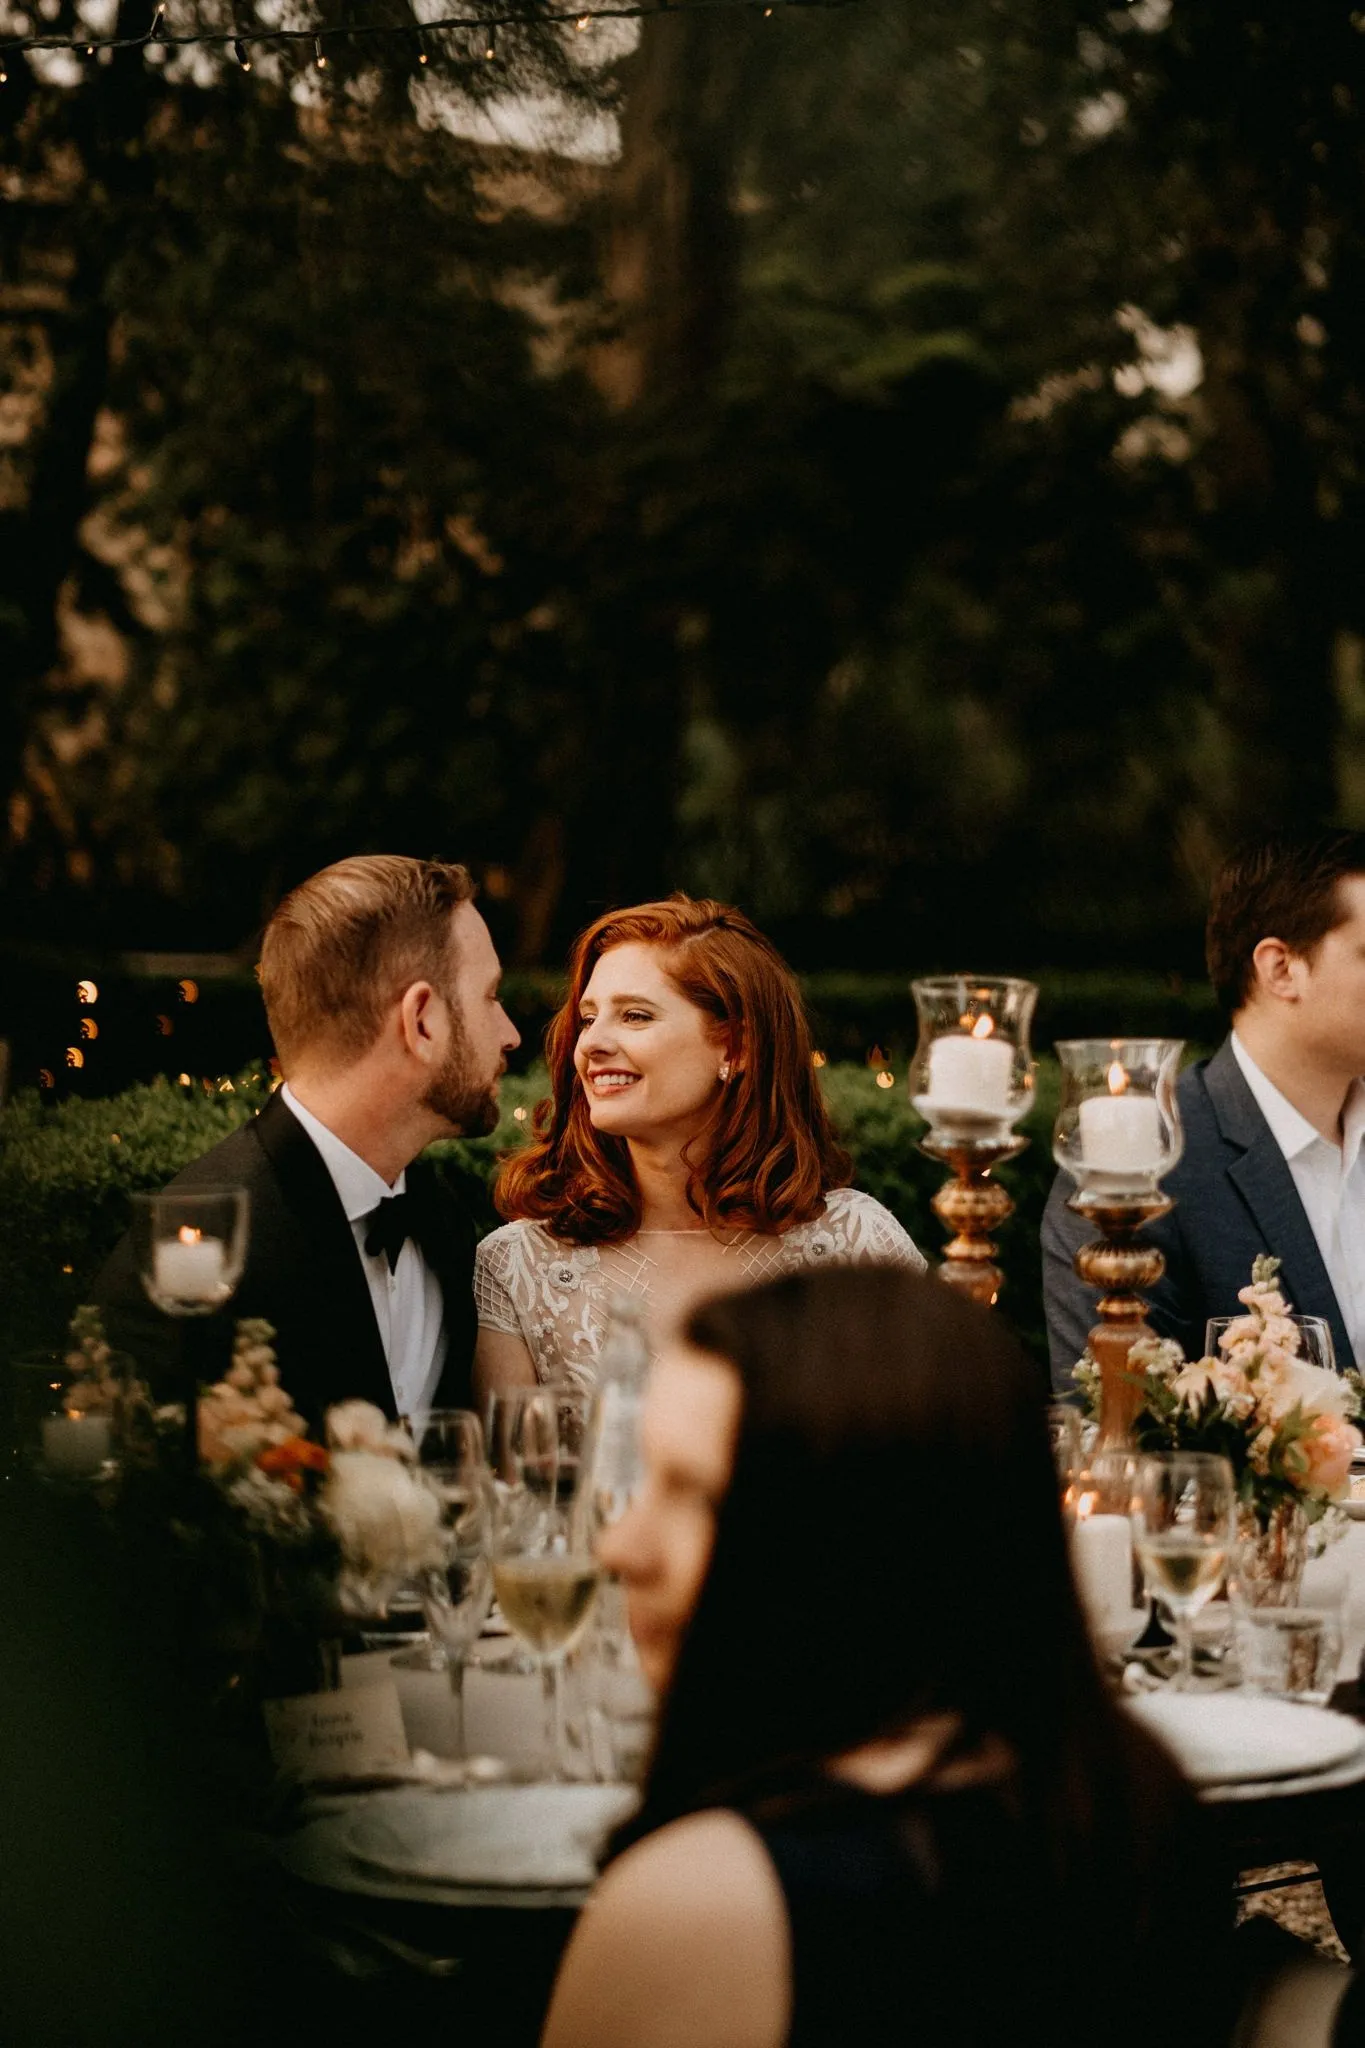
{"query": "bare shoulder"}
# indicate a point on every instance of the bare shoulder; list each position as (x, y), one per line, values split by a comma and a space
(684, 1940)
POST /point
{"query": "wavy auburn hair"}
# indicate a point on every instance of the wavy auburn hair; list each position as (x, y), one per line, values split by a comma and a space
(768, 1153)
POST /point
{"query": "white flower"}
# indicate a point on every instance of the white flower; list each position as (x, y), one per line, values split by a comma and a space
(564, 1275)
(387, 1520)
(1310, 1387)
(820, 1244)
(360, 1426)
(1159, 1358)
(1193, 1384)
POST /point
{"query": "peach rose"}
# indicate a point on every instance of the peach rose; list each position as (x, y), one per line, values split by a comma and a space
(1327, 1452)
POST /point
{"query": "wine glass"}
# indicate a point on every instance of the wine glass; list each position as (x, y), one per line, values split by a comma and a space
(456, 1596)
(1183, 1529)
(621, 1705)
(1315, 1338)
(536, 1438)
(544, 1571)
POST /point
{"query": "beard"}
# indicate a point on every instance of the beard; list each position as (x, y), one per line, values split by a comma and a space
(459, 1097)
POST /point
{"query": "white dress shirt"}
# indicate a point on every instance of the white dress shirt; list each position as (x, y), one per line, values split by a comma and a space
(408, 1304)
(1331, 1183)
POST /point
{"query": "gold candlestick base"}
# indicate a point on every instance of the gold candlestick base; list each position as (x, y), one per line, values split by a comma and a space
(1118, 1265)
(972, 1205)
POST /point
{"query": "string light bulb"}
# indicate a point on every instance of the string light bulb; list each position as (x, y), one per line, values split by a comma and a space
(157, 32)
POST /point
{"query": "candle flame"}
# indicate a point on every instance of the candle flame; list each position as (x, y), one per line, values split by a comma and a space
(188, 1235)
(1117, 1079)
(1086, 1504)
(983, 1027)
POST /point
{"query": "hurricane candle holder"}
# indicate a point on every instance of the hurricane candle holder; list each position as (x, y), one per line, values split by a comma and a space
(971, 1080)
(191, 1247)
(1117, 1134)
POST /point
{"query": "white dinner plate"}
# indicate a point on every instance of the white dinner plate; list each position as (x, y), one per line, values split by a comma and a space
(516, 1835)
(1227, 1738)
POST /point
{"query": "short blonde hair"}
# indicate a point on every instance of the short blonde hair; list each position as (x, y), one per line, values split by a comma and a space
(344, 945)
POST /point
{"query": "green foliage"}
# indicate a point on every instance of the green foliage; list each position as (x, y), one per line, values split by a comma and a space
(902, 600)
(66, 1174)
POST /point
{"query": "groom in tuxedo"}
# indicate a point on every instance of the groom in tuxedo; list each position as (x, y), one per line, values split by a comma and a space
(381, 990)
(1273, 1122)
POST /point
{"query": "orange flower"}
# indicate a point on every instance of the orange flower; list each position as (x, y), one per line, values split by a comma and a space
(291, 1459)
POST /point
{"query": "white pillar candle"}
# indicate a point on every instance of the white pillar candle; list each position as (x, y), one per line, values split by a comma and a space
(1121, 1134)
(190, 1267)
(75, 1446)
(1102, 1559)
(969, 1075)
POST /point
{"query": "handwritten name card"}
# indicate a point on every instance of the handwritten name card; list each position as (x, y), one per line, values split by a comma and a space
(357, 1733)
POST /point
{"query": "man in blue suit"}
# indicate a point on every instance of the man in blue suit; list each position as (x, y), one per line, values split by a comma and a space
(1273, 1121)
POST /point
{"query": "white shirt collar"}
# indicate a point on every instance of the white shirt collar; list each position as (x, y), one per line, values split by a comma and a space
(1290, 1129)
(361, 1189)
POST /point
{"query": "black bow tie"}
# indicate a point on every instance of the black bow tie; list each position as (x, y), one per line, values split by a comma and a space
(388, 1228)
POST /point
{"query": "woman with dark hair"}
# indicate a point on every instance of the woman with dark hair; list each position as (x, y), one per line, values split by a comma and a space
(891, 1799)
(686, 1148)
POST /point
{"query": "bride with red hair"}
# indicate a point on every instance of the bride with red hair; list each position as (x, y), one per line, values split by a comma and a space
(686, 1149)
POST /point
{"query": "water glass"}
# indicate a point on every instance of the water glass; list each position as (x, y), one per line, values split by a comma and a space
(1292, 1652)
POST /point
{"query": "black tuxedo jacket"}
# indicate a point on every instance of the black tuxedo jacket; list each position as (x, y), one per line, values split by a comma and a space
(1234, 1198)
(303, 1274)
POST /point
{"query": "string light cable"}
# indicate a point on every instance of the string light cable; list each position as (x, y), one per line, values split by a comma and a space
(239, 41)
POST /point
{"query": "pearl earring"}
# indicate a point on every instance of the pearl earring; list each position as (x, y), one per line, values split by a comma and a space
(724, 1071)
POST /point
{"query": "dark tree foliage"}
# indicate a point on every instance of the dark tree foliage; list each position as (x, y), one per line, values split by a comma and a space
(914, 489)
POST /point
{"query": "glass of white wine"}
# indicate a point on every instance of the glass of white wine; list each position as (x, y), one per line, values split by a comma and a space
(1182, 1531)
(545, 1574)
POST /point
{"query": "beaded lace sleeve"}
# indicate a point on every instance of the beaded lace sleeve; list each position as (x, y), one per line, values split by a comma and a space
(864, 1232)
(494, 1262)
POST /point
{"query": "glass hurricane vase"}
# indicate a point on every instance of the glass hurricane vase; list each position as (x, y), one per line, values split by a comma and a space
(1268, 1556)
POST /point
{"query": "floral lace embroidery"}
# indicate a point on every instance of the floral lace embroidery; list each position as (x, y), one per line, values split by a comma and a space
(556, 1296)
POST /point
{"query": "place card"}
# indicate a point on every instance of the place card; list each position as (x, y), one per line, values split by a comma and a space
(357, 1733)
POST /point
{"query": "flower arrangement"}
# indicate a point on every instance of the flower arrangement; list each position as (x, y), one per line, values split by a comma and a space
(362, 1492)
(1285, 1426)
(95, 1386)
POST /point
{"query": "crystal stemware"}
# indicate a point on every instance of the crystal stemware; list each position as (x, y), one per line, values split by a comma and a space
(1183, 1531)
(457, 1595)
(545, 1573)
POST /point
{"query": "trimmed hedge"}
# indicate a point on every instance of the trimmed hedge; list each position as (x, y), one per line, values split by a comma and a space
(145, 1027)
(66, 1173)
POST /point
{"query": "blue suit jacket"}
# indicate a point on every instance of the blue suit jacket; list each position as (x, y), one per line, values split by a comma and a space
(1234, 1198)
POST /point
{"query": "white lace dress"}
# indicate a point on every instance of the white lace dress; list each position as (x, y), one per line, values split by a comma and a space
(557, 1297)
